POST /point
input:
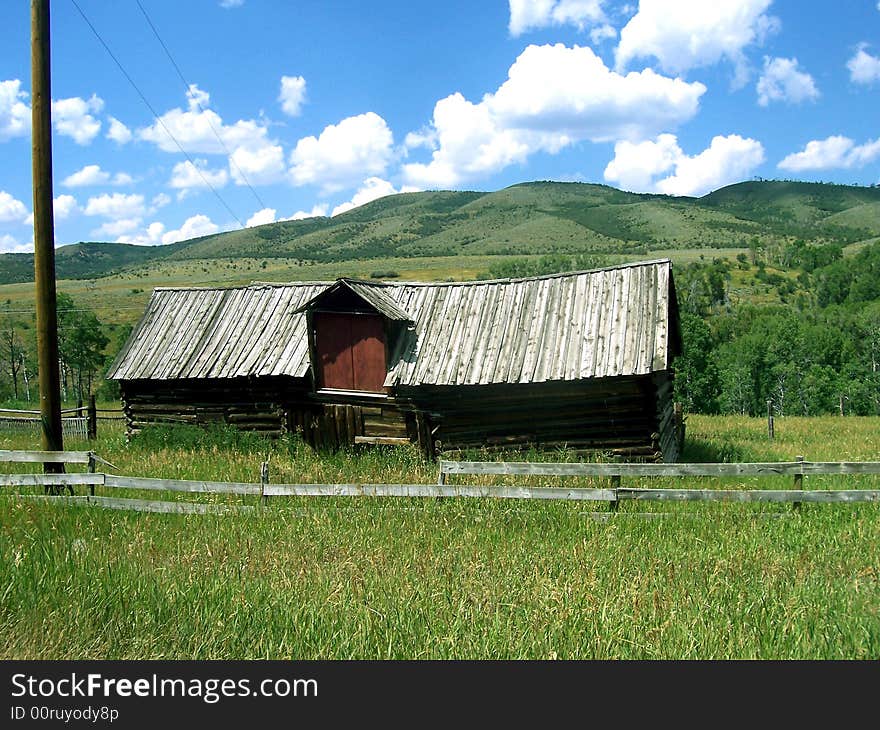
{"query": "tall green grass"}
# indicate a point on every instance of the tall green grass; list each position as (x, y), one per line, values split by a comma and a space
(339, 578)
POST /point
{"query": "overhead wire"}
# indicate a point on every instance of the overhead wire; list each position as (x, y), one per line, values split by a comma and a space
(207, 118)
(155, 114)
(92, 309)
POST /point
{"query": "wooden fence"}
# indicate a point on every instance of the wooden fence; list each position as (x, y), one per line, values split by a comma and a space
(81, 422)
(797, 469)
(30, 421)
(613, 494)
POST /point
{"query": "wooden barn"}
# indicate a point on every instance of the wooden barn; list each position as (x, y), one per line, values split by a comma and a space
(580, 359)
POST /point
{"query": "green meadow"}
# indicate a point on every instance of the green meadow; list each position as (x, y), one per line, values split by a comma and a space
(408, 578)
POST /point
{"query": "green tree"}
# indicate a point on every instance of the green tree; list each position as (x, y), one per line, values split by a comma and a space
(81, 343)
(696, 374)
(12, 354)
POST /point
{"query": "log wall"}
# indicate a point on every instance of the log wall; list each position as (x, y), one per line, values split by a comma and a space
(251, 404)
(271, 406)
(628, 417)
(633, 418)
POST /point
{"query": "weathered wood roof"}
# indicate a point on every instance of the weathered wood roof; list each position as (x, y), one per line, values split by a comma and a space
(620, 320)
(370, 293)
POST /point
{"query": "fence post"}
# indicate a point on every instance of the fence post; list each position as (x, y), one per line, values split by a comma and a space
(798, 480)
(92, 469)
(264, 480)
(615, 485)
(770, 433)
(92, 419)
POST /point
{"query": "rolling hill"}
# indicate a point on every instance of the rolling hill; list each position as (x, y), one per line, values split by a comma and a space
(529, 218)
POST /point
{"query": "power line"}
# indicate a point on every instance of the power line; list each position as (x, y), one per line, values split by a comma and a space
(155, 114)
(92, 309)
(198, 104)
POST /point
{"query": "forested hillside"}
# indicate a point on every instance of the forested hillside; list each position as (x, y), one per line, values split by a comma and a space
(807, 339)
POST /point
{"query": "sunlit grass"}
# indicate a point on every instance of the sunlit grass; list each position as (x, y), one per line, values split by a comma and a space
(314, 578)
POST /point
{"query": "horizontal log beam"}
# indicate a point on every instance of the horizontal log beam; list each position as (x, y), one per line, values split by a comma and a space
(386, 440)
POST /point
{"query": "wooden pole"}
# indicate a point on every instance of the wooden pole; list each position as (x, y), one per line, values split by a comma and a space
(798, 481)
(44, 233)
(264, 480)
(92, 419)
(770, 432)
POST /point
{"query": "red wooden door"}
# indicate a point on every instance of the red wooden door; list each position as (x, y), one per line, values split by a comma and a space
(333, 350)
(368, 352)
(350, 350)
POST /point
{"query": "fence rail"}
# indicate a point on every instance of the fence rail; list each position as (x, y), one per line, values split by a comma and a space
(80, 422)
(783, 468)
(70, 426)
(613, 495)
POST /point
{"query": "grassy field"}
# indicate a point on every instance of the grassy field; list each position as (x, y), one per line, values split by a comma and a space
(338, 578)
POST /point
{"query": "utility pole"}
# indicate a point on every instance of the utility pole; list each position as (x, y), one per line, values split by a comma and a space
(44, 233)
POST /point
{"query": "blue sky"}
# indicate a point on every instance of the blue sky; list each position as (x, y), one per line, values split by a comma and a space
(270, 110)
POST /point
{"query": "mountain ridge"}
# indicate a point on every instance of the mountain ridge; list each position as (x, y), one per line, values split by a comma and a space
(525, 218)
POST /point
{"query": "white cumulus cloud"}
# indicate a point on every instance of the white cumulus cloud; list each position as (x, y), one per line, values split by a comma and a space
(94, 175)
(116, 206)
(118, 132)
(257, 164)
(319, 210)
(64, 206)
(833, 152)
(193, 227)
(863, 67)
(253, 158)
(160, 201)
(638, 166)
(687, 34)
(292, 95)
(373, 188)
(15, 115)
(12, 210)
(554, 96)
(201, 130)
(343, 153)
(10, 244)
(151, 236)
(526, 15)
(189, 176)
(73, 118)
(155, 233)
(113, 229)
(261, 217)
(783, 81)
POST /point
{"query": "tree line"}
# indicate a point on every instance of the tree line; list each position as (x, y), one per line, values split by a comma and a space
(813, 348)
(82, 343)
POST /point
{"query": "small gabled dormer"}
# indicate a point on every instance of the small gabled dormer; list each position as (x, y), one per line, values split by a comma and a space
(354, 330)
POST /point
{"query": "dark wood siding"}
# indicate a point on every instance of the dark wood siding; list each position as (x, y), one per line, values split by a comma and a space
(350, 350)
